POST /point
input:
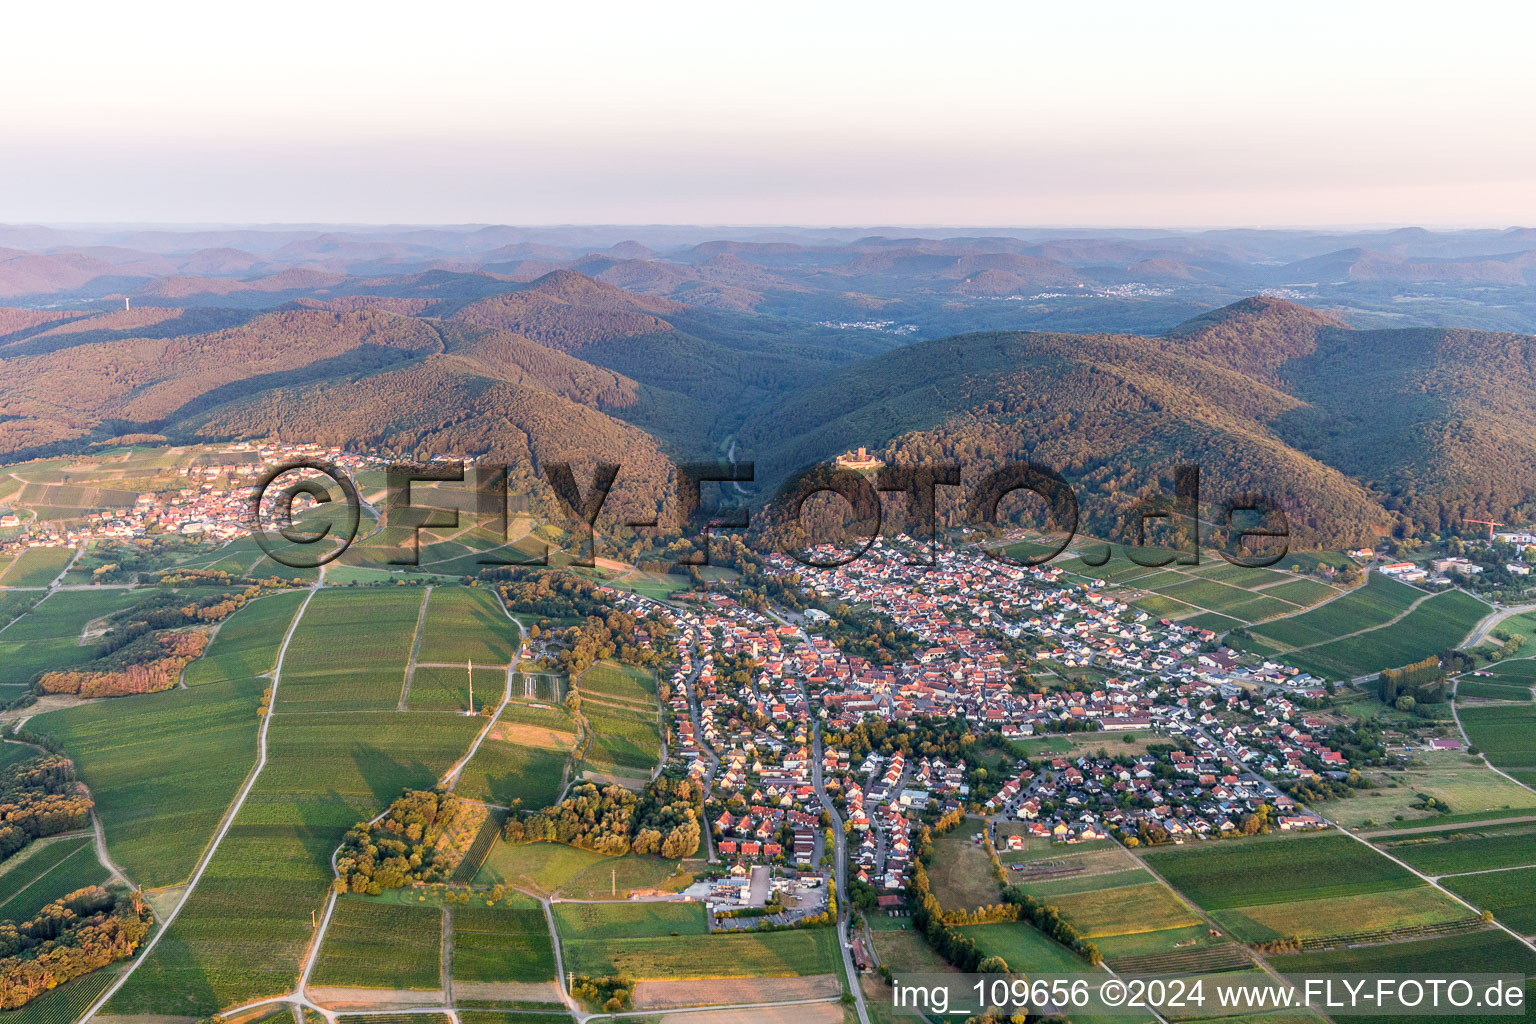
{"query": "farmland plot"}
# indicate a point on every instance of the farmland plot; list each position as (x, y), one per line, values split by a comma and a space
(466, 624)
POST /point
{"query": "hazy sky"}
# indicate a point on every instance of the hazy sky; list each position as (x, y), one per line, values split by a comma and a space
(816, 113)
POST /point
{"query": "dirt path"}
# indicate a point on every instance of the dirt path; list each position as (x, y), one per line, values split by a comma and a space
(229, 815)
(446, 969)
(410, 666)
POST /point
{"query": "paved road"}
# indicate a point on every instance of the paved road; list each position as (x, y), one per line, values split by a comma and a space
(843, 902)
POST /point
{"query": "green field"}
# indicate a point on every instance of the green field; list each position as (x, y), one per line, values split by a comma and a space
(49, 636)
(1243, 873)
(43, 871)
(466, 624)
(511, 774)
(1371, 605)
(622, 739)
(447, 689)
(1399, 908)
(1467, 849)
(1025, 948)
(961, 873)
(1489, 690)
(36, 567)
(626, 682)
(245, 928)
(583, 921)
(381, 945)
(1440, 623)
(502, 943)
(1506, 734)
(350, 650)
(1463, 783)
(686, 956)
(1475, 952)
(247, 641)
(1511, 895)
(162, 768)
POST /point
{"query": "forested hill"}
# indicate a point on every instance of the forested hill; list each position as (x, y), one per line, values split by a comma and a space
(1356, 431)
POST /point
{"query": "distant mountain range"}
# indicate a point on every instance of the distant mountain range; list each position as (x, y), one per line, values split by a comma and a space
(647, 352)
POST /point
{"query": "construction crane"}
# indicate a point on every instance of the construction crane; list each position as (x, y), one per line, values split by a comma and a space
(1485, 522)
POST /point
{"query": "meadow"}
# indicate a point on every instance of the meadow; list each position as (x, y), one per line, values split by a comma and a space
(1226, 875)
(466, 624)
(502, 943)
(1025, 948)
(961, 873)
(162, 768)
(381, 945)
(1464, 784)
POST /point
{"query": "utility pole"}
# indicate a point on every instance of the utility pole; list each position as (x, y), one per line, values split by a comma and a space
(471, 664)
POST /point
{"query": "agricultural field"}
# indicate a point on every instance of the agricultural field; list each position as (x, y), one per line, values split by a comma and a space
(1507, 735)
(350, 650)
(1276, 869)
(244, 930)
(36, 567)
(1441, 622)
(692, 956)
(50, 636)
(1382, 911)
(162, 768)
(502, 943)
(622, 740)
(514, 775)
(628, 920)
(381, 945)
(1486, 689)
(1481, 951)
(466, 624)
(1371, 605)
(1511, 895)
(43, 871)
(623, 682)
(1463, 783)
(1466, 848)
(1024, 947)
(903, 949)
(552, 868)
(1125, 910)
(247, 642)
(435, 688)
